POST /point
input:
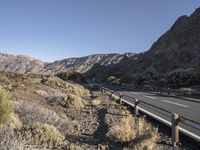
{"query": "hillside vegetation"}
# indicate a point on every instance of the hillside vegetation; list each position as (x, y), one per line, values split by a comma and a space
(46, 112)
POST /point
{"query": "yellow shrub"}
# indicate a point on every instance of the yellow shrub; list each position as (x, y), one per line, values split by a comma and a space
(137, 131)
(96, 102)
(74, 101)
(146, 141)
(123, 131)
(6, 107)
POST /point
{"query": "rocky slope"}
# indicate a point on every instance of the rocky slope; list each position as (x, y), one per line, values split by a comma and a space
(20, 64)
(49, 113)
(26, 64)
(84, 64)
(178, 48)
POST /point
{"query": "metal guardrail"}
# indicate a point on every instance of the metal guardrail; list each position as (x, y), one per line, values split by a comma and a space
(175, 118)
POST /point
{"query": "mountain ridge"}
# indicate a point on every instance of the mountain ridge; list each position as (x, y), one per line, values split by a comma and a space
(26, 64)
(177, 48)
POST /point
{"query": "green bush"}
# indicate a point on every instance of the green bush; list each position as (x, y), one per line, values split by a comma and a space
(6, 107)
(111, 78)
(71, 75)
(183, 78)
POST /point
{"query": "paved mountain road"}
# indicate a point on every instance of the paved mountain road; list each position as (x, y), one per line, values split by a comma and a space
(183, 106)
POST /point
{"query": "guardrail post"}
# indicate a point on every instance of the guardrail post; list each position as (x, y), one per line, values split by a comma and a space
(103, 91)
(120, 98)
(136, 102)
(175, 129)
(100, 92)
(111, 96)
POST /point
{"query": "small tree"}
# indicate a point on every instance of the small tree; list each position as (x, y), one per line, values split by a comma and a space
(6, 107)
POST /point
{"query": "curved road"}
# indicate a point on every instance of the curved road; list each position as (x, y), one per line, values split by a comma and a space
(186, 107)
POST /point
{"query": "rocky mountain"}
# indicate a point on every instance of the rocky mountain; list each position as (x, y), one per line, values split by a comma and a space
(20, 64)
(178, 48)
(83, 64)
(26, 64)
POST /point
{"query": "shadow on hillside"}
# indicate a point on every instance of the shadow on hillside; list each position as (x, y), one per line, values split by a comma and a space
(99, 136)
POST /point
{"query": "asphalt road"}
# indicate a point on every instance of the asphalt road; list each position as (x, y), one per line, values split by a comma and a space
(186, 107)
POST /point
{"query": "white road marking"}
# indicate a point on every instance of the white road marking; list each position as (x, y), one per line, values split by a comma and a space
(174, 103)
(195, 136)
(134, 93)
(150, 97)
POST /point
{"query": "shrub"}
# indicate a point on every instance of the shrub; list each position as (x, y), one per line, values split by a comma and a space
(74, 147)
(111, 78)
(96, 102)
(65, 100)
(74, 101)
(79, 90)
(6, 107)
(138, 132)
(41, 134)
(15, 122)
(4, 79)
(41, 93)
(30, 114)
(10, 141)
(183, 78)
(145, 141)
(71, 75)
(123, 131)
(54, 82)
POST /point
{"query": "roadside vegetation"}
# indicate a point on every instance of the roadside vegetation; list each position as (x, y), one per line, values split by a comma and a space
(46, 112)
(6, 108)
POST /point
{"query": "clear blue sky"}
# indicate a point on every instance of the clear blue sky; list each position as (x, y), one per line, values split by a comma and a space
(57, 29)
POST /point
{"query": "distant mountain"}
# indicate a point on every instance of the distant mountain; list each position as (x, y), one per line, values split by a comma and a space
(26, 64)
(177, 49)
(84, 64)
(20, 64)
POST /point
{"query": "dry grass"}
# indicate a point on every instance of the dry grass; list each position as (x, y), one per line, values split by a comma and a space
(30, 113)
(96, 102)
(11, 141)
(15, 122)
(139, 133)
(78, 90)
(6, 107)
(145, 141)
(41, 93)
(123, 131)
(74, 101)
(74, 147)
(41, 134)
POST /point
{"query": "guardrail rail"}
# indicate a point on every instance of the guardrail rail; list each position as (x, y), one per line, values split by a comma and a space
(175, 118)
